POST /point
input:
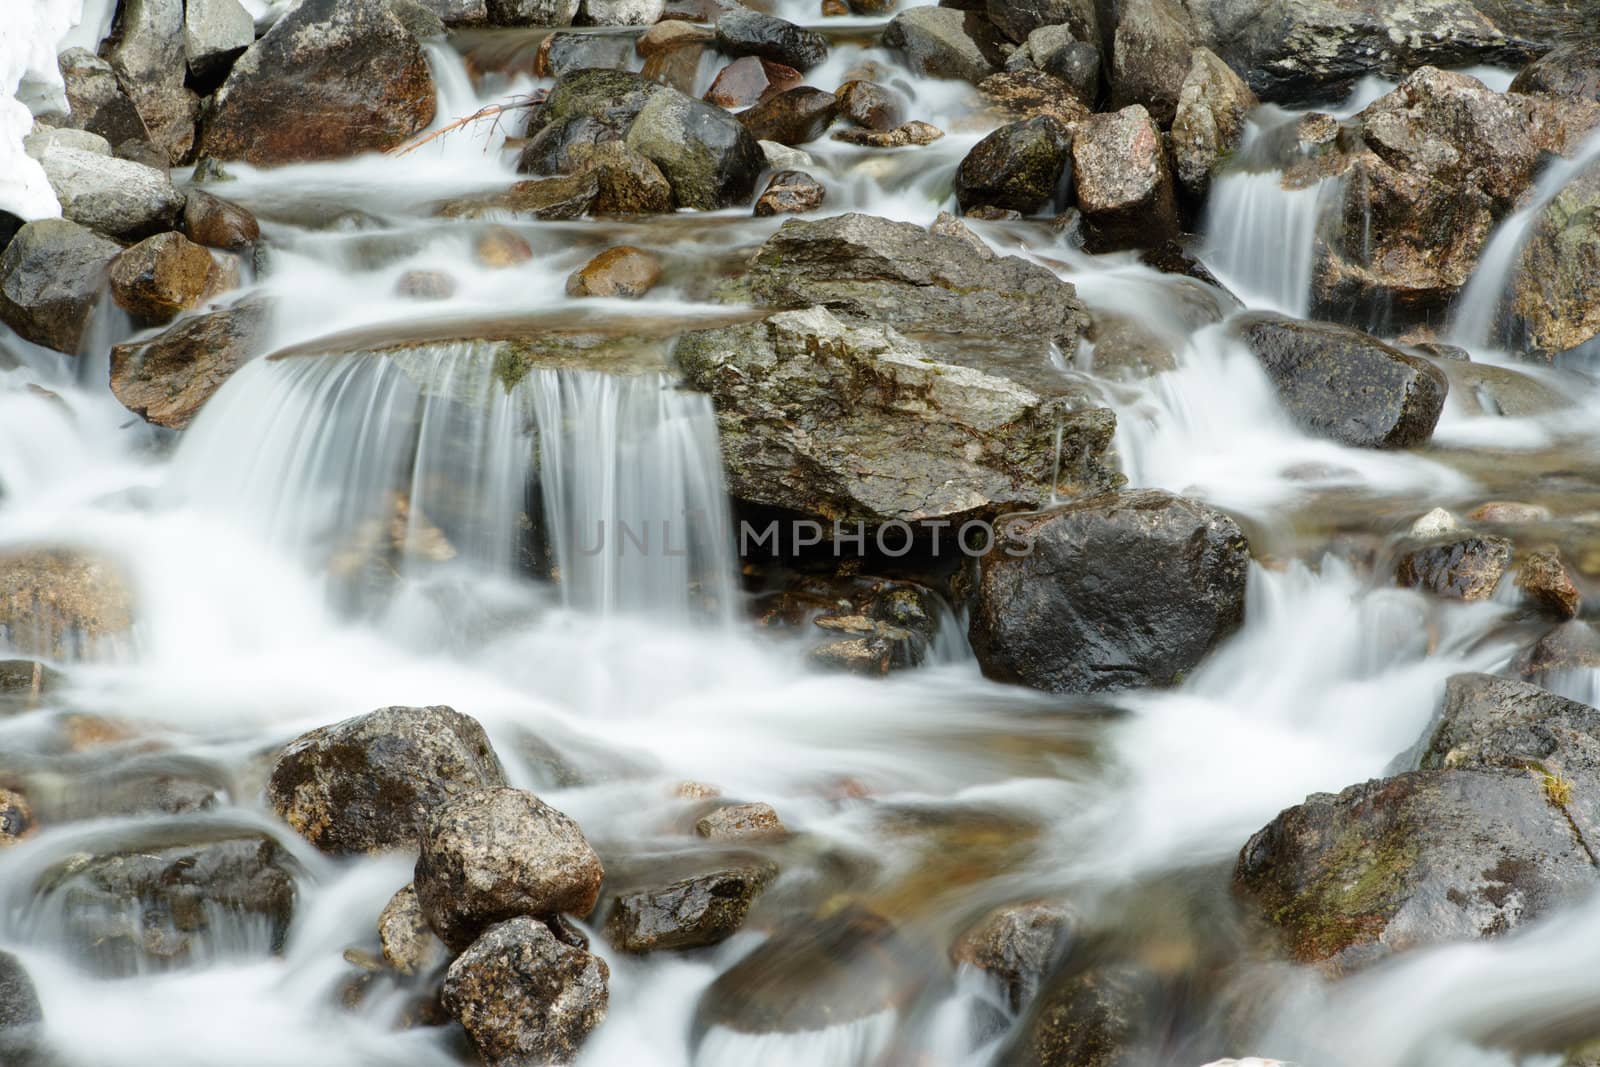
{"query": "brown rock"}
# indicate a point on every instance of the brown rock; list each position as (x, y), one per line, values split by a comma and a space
(1574, 645)
(870, 105)
(792, 117)
(215, 223)
(742, 822)
(912, 133)
(1150, 56)
(1024, 94)
(791, 192)
(834, 8)
(568, 196)
(1123, 179)
(1210, 119)
(672, 33)
(1544, 580)
(1459, 566)
(61, 604)
(163, 275)
(623, 271)
(1570, 70)
(677, 67)
(1509, 512)
(51, 276)
(167, 378)
(408, 944)
(500, 247)
(704, 909)
(749, 80)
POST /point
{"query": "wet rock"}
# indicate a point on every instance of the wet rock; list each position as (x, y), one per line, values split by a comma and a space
(912, 133)
(215, 32)
(751, 33)
(1016, 945)
(332, 78)
(533, 12)
(942, 42)
(61, 604)
(1024, 94)
(897, 274)
(814, 416)
(216, 223)
(1484, 389)
(1342, 384)
(1419, 859)
(628, 183)
(871, 106)
(51, 277)
(791, 192)
(1571, 646)
(495, 854)
(622, 12)
(147, 54)
(742, 822)
(368, 783)
(525, 997)
(1126, 350)
(1088, 1018)
(23, 682)
(1119, 590)
(408, 944)
(1460, 566)
(1554, 304)
(16, 821)
(96, 98)
(570, 196)
(1078, 66)
(623, 271)
(1150, 56)
(793, 117)
(562, 53)
(1018, 167)
(1489, 722)
(167, 378)
(1209, 121)
(710, 159)
(1570, 70)
(685, 913)
(554, 149)
(1019, 19)
(1509, 512)
(425, 285)
(749, 80)
(1122, 179)
(1544, 580)
(613, 98)
(113, 196)
(163, 275)
(172, 903)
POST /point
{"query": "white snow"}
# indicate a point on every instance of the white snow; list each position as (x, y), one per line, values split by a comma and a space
(30, 82)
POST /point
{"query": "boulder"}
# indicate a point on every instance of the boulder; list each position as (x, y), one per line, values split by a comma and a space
(114, 196)
(524, 997)
(1076, 65)
(1544, 580)
(871, 106)
(1462, 566)
(1209, 121)
(1570, 70)
(495, 854)
(163, 275)
(533, 12)
(51, 277)
(792, 117)
(146, 52)
(215, 32)
(97, 100)
(370, 783)
(627, 182)
(1554, 303)
(702, 909)
(1419, 859)
(942, 42)
(332, 78)
(1019, 19)
(167, 378)
(749, 80)
(622, 12)
(623, 271)
(1123, 181)
(741, 822)
(706, 154)
(561, 53)
(46, 139)
(1150, 56)
(750, 33)
(1115, 591)
(613, 98)
(62, 604)
(897, 274)
(1016, 945)
(1342, 384)
(817, 415)
(167, 904)
(409, 946)
(1572, 646)
(791, 192)
(216, 223)
(1094, 1016)
(554, 148)
(1019, 167)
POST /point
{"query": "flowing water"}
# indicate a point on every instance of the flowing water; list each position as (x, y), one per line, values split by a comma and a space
(338, 531)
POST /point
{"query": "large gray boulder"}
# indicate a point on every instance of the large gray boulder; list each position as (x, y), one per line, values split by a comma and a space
(51, 277)
(332, 78)
(115, 196)
(214, 33)
(1150, 56)
(1122, 177)
(708, 156)
(942, 42)
(1116, 591)
(817, 415)
(1342, 384)
(147, 53)
(368, 784)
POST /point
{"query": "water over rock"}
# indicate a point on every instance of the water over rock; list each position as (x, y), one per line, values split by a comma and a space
(1016, 945)
(370, 783)
(749, 80)
(167, 378)
(1118, 590)
(1554, 303)
(674, 911)
(61, 603)
(741, 822)
(51, 277)
(1017, 167)
(623, 271)
(20, 1011)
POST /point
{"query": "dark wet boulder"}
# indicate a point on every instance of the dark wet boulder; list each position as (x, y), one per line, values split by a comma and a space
(1122, 179)
(814, 417)
(1462, 566)
(332, 78)
(1554, 303)
(51, 277)
(163, 275)
(1019, 167)
(627, 183)
(1016, 946)
(216, 223)
(1419, 859)
(791, 192)
(942, 42)
(525, 997)
(167, 378)
(793, 117)
(554, 148)
(707, 155)
(1150, 56)
(63, 604)
(113, 196)
(693, 911)
(1115, 591)
(1209, 122)
(495, 854)
(611, 97)
(751, 33)
(1571, 70)
(871, 106)
(1342, 384)
(169, 903)
(562, 53)
(369, 783)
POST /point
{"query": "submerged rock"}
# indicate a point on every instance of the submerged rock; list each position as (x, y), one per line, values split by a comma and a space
(1463, 566)
(741, 822)
(16, 820)
(51, 277)
(163, 275)
(62, 604)
(1093, 1017)
(20, 1011)
(1123, 179)
(369, 783)
(566, 197)
(168, 378)
(495, 854)
(1017, 167)
(707, 155)
(623, 271)
(332, 78)
(1342, 384)
(524, 997)
(1120, 590)
(692, 912)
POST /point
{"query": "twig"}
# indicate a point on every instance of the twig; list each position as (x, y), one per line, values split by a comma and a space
(482, 113)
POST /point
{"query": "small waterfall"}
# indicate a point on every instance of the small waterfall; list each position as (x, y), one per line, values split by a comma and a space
(372, 466)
